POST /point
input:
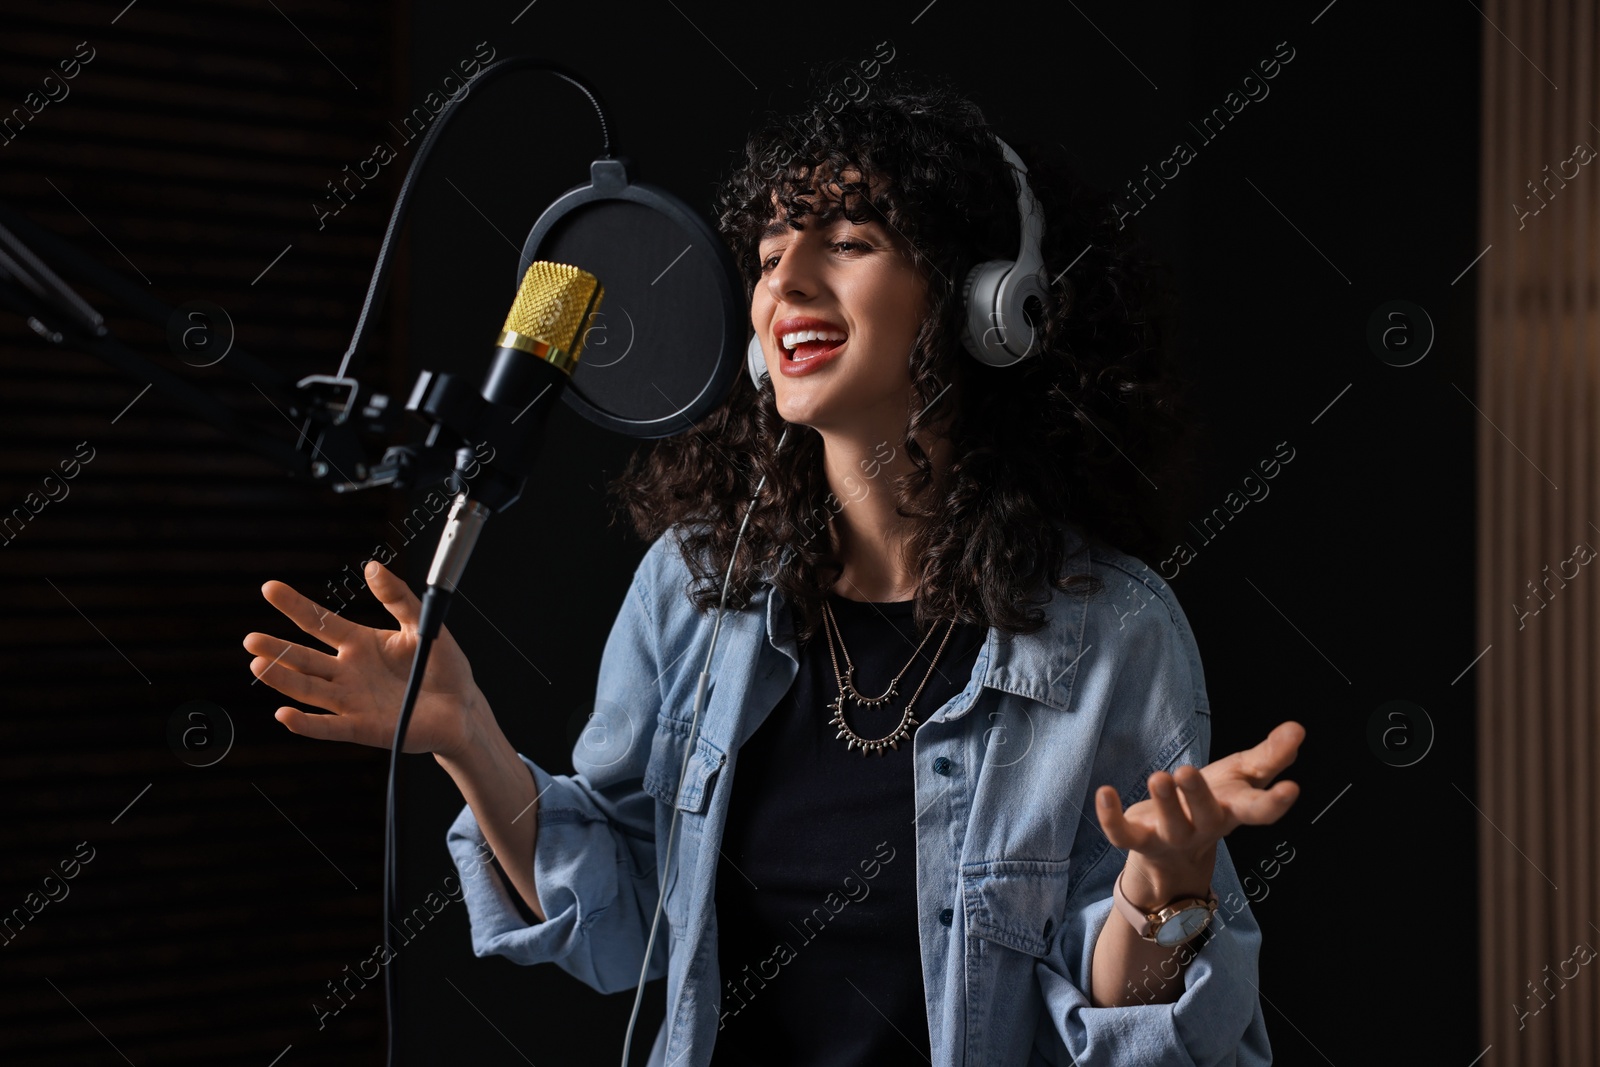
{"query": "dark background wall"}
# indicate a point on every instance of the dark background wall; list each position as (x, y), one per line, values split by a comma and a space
(197, 141)
(184, 156)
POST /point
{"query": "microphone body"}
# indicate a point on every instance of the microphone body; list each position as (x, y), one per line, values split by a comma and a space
(536, 352)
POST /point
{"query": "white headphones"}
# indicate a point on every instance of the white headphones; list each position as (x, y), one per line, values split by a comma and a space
(996, 331)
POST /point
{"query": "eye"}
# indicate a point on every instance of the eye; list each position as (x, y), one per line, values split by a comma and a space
(844, 244)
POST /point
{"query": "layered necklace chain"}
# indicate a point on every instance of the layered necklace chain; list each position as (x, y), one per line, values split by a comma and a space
(847, 689)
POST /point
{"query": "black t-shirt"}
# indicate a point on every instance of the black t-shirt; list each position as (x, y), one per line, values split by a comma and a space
(816, 889)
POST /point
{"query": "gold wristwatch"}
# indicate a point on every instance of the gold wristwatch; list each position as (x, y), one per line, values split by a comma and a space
(1175, 923)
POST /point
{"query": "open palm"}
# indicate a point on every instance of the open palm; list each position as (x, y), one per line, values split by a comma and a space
(1192, 809)
(363, 682)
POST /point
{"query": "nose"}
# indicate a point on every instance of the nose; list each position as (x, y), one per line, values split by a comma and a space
(794, 275)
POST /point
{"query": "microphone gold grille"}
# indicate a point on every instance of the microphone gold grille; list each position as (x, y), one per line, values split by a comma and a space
(550, 317)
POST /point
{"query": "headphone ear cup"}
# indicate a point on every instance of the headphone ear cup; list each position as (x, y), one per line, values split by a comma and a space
(983, 328)
(1022, 339)
(756, 361)
(998, 330)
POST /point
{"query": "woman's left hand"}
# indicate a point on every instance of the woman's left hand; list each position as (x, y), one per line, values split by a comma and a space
(1172, 837)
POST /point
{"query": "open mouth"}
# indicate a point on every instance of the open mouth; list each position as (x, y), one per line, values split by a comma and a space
(804, 345)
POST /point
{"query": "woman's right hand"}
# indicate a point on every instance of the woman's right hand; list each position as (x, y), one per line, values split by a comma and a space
(363, 683)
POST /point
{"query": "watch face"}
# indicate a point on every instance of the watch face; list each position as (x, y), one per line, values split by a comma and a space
(1182, 926)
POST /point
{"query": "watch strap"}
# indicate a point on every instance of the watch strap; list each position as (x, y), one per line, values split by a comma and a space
(1145, 923)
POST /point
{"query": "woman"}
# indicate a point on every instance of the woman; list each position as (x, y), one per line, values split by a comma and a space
(902, 588)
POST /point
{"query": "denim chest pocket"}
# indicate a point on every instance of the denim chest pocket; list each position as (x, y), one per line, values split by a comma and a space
(666, 765)
(691, 798)
(1014, 910)
(1015, 903)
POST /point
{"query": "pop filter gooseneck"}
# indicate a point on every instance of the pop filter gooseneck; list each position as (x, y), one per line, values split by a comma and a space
(402, 201)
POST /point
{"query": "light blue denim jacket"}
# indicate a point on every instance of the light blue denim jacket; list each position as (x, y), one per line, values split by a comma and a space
(1109, 691)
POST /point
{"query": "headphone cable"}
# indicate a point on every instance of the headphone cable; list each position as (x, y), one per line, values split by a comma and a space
(688, 753)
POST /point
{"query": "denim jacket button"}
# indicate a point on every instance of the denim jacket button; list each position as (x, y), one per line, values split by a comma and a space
(947, 916)
(941, 765)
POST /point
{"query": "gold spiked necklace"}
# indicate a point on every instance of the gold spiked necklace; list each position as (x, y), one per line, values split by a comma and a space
(847, 688)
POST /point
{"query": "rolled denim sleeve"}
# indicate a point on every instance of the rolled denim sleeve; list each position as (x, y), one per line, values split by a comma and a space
(594, 855)
(1157, 716)
(1216, 1021)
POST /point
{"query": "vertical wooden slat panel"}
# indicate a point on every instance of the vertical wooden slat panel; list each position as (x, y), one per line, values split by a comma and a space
(1560, 520)
(1534, 666)
(1544, 313)
(1584, 442)
(1529, 651)
(1539, 337)
(1568, 525)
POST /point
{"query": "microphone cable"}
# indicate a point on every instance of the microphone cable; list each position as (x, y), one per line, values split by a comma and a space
(688, 753)
(433, 605)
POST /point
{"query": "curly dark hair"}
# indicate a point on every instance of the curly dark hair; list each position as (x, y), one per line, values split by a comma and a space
(1065, 447)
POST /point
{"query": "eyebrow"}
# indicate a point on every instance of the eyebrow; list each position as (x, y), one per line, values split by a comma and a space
(778, 227)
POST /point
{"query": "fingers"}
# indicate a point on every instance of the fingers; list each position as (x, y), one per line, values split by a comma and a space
(310, 616)
(1205, 812)
(1118, 830)
(291, 683)
(321, 727)
(396, 596)
(1108, 806)
(1268, 759)
(1259, 807)
(1172, 822)
(1185, 807)
(298, 657)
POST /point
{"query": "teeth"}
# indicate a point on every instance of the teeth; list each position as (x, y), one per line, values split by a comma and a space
(801, 336)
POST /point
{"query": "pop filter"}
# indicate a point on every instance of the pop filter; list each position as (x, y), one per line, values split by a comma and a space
(671, 334)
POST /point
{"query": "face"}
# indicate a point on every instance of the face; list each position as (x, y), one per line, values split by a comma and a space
(846, 280)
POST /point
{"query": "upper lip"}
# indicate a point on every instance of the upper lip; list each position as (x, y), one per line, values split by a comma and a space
(803, 322)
